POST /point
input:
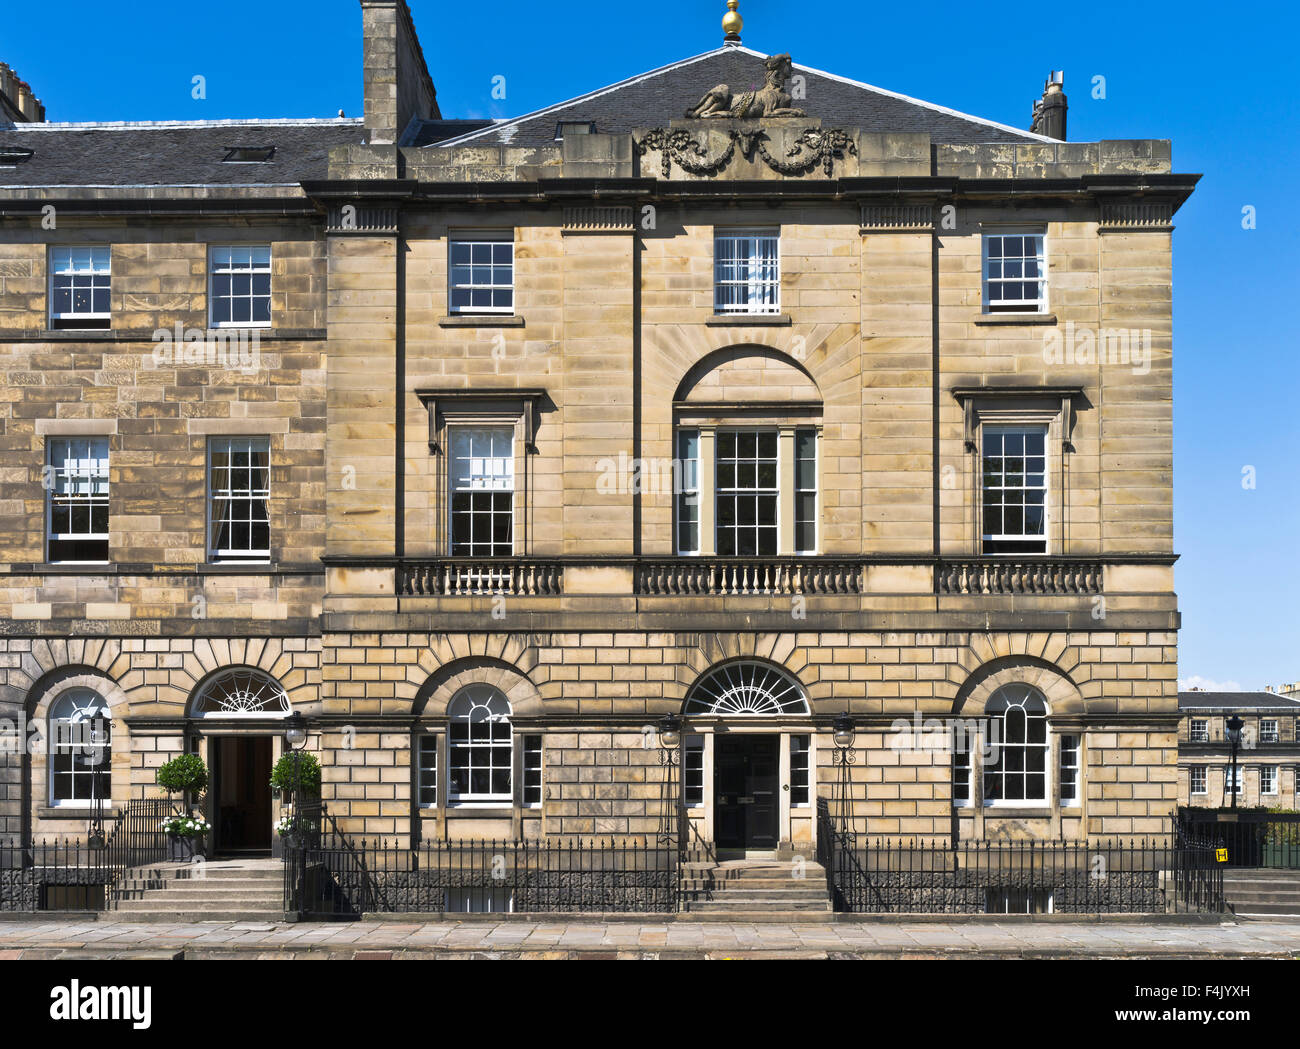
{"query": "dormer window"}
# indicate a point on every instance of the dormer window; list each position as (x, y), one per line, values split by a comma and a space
(248, 154)
(11, 158)
(574, 127)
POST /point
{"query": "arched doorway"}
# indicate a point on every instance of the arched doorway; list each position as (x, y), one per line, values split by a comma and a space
(236, 712)
(747, 755)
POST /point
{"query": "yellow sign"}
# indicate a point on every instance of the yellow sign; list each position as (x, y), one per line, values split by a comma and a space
(1221, 855)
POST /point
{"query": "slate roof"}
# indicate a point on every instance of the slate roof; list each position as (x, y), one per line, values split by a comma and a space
(1227, 702)
(178, 154)
(653, 99)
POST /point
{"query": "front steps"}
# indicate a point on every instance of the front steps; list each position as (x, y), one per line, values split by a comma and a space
(220, 890)
(754, 890)
(1263, 892)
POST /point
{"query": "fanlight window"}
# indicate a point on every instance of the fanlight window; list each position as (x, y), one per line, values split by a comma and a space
(81, 749)
(746, 688)
(242, 694)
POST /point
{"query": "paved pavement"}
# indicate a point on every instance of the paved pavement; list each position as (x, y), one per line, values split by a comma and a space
(579, 939)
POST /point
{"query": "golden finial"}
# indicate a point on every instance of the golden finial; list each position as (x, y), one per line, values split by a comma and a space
(732, 23)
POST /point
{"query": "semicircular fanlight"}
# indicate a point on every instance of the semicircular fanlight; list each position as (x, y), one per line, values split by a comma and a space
(746, 689)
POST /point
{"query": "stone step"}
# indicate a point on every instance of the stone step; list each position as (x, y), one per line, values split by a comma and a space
(756, 917)
(1267, 910)
(200, 906)
(180, 899)
(220, 884)
(187, 916)
(771, 894)
(206, 872)
(1237, 899)
(748, 906)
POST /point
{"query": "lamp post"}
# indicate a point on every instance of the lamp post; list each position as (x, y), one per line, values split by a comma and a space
(670, 738)
(98, 738)
(843, 733)
(295, 738)
(1234, 726)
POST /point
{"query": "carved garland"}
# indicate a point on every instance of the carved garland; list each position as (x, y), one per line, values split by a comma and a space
(810, 148)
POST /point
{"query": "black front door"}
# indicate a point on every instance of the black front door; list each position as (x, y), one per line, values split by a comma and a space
(745, 773)
(241, 776)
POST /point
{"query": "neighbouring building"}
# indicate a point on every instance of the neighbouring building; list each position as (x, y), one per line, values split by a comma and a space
(736, 390)
(1268, 756)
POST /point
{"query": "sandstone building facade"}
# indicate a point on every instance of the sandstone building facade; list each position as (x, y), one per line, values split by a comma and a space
(486, 444)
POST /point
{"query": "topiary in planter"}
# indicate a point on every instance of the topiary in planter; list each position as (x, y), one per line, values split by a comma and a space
(185, 774)
(308, 769)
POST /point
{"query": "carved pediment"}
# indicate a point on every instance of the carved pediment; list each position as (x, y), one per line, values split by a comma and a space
(806, 150)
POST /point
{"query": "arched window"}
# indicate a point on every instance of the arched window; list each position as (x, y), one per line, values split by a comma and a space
(1017, 741)
(80, 749)
(480, 745)
(746, 688)
(242, 693)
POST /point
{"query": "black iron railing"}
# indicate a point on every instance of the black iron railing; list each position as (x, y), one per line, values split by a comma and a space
(329, 874)
(1252, 839)
(922, 875)
(75, 874)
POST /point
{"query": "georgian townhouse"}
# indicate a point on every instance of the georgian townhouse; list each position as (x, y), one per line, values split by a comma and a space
(834, 423)
(1268, 749)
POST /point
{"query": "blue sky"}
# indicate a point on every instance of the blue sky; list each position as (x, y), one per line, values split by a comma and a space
(1217, 79)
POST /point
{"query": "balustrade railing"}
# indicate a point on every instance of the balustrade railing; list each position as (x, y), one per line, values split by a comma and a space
(747, 576)
(995, 575)
(467, 577)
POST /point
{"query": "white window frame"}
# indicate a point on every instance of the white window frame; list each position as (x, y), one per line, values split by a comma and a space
(756, 286)
(533, 765)
(89, 481)
(1198, 730)
(426, 766)
(460, 711)
(1228, 779)
(232, 556)
(805, 760)
(1201, 772)
(63, 263)
(803, 490)
(88, 707)
(693, 764)
(757, 493)
(479, 483)
(253, 268)
(1025, 693)
(1024, 429)
(1014, 306)
(963, 761)
(1269, 730)
(1268, 774)
(1074, 749)
(480, 238)
(687, 476)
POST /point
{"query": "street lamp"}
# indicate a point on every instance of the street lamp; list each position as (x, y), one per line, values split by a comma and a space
(670, 738)
(1234, 727)
(843, 733)
(295, 738)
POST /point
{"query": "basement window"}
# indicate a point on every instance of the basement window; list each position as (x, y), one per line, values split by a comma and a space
(574, 127)
(248, 154)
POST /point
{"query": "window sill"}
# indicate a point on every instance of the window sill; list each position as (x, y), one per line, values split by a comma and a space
(483, 809)
(481, 320)
(1018, 812)
(749, 320)
(1015, 318)
(69, 812)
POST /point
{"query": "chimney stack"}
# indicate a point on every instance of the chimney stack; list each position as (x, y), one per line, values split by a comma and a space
(398, 88)
(17, 103)
(1049, 112)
